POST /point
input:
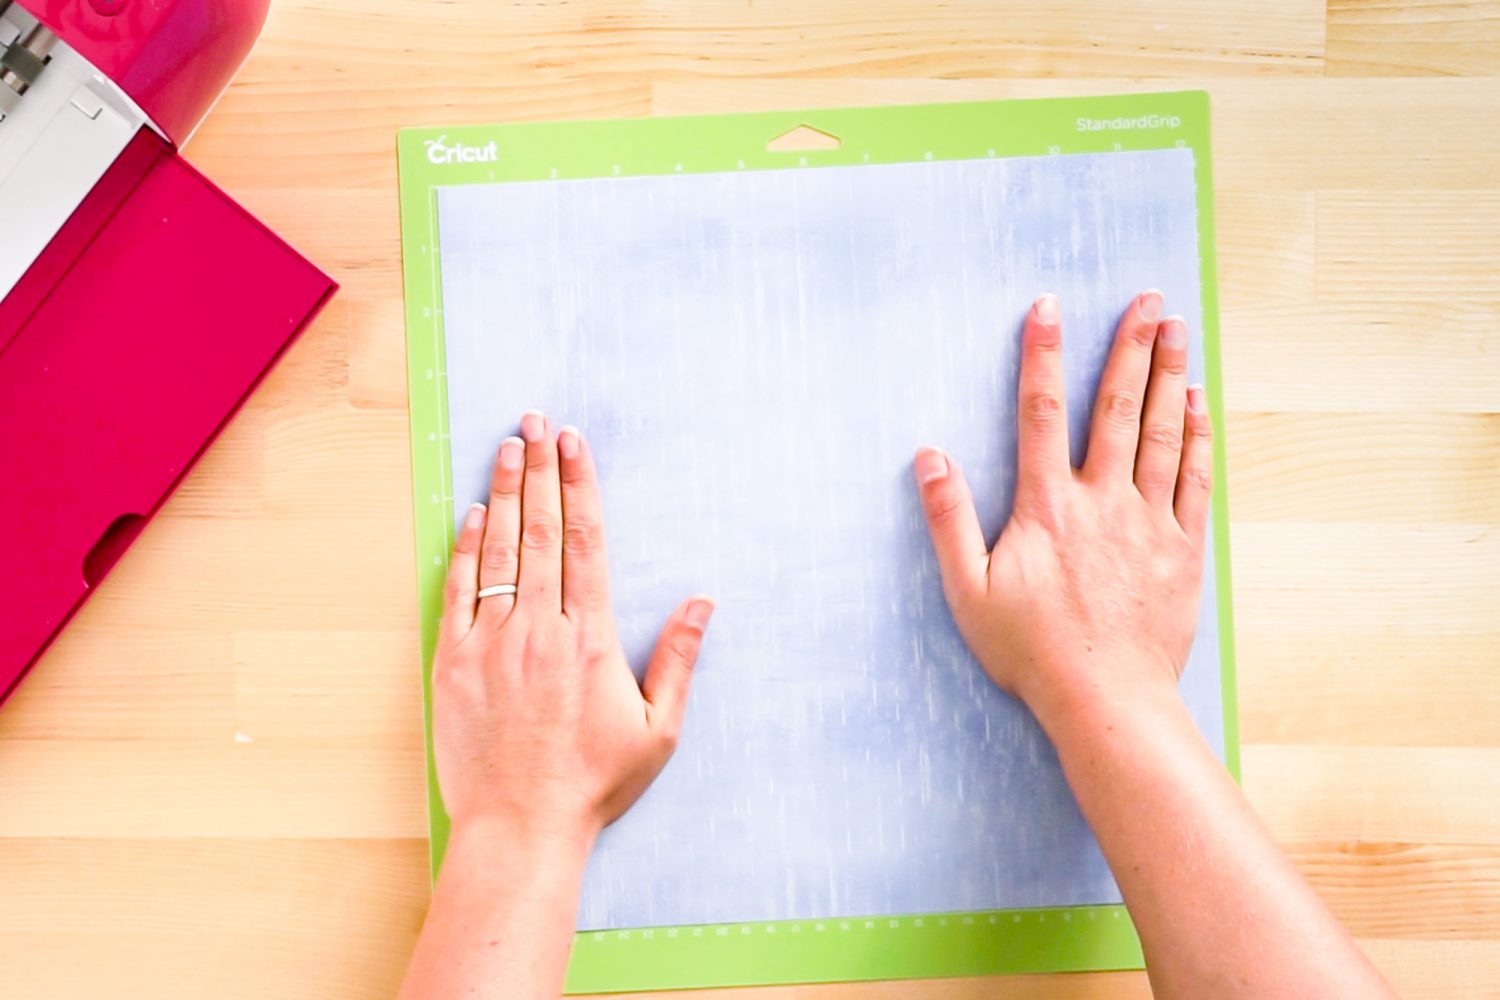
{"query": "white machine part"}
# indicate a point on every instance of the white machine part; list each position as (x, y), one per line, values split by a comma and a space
(61, 125)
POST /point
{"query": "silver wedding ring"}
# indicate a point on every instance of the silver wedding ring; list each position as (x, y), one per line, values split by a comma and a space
(499, 590)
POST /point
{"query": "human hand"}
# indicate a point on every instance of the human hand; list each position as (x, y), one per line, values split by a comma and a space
(539, 725)
(1093, 585)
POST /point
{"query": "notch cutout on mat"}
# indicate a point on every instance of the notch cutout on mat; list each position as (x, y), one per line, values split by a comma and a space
(803, 138)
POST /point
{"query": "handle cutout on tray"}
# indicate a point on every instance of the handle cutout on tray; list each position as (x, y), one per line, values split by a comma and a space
(110, 547)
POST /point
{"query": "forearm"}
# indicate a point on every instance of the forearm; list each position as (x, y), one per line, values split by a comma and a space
(1220, 909)
(502, 916)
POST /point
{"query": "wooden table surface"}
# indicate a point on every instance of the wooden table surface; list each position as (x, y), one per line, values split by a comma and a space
(212, 786)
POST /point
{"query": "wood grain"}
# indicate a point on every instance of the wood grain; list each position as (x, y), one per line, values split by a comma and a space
(1411, 38)
(212, 785)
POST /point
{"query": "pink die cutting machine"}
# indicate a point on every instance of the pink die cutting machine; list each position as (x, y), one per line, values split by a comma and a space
(139, 306)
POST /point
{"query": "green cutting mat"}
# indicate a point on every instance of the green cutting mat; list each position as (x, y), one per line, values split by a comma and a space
(883, 947)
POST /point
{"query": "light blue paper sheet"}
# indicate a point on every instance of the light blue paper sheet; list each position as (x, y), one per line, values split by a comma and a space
(754, 358)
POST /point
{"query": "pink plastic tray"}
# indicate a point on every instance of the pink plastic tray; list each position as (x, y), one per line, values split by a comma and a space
(123, 352)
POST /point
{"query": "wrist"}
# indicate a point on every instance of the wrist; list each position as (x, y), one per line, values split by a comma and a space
(1067, 702)
(538, 841)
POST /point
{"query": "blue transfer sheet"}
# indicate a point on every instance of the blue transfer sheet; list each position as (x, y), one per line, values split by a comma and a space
(754, 358)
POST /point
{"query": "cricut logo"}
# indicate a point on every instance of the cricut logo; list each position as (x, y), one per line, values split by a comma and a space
(438, 151)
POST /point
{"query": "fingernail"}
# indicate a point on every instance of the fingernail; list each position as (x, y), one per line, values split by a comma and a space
(533, 426)
(1047, 310)
(1150, 305)
(1197, 399)
(475, 517)
(930, 465)
(567, 442)
(698, 611)
(1173, 333)
(512, 454)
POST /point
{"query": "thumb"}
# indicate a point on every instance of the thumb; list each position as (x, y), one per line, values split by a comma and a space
(951, 520)
(670, 671)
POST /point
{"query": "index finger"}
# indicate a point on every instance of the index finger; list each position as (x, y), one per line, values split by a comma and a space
(1041, 408)
(585, 569)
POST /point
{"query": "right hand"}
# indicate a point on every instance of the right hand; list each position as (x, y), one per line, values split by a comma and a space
(1093, 585)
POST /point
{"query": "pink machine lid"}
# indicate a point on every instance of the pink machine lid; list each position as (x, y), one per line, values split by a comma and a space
(123, 351)
(172, 57)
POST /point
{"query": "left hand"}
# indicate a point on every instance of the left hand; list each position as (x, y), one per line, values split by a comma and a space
(538, 723)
